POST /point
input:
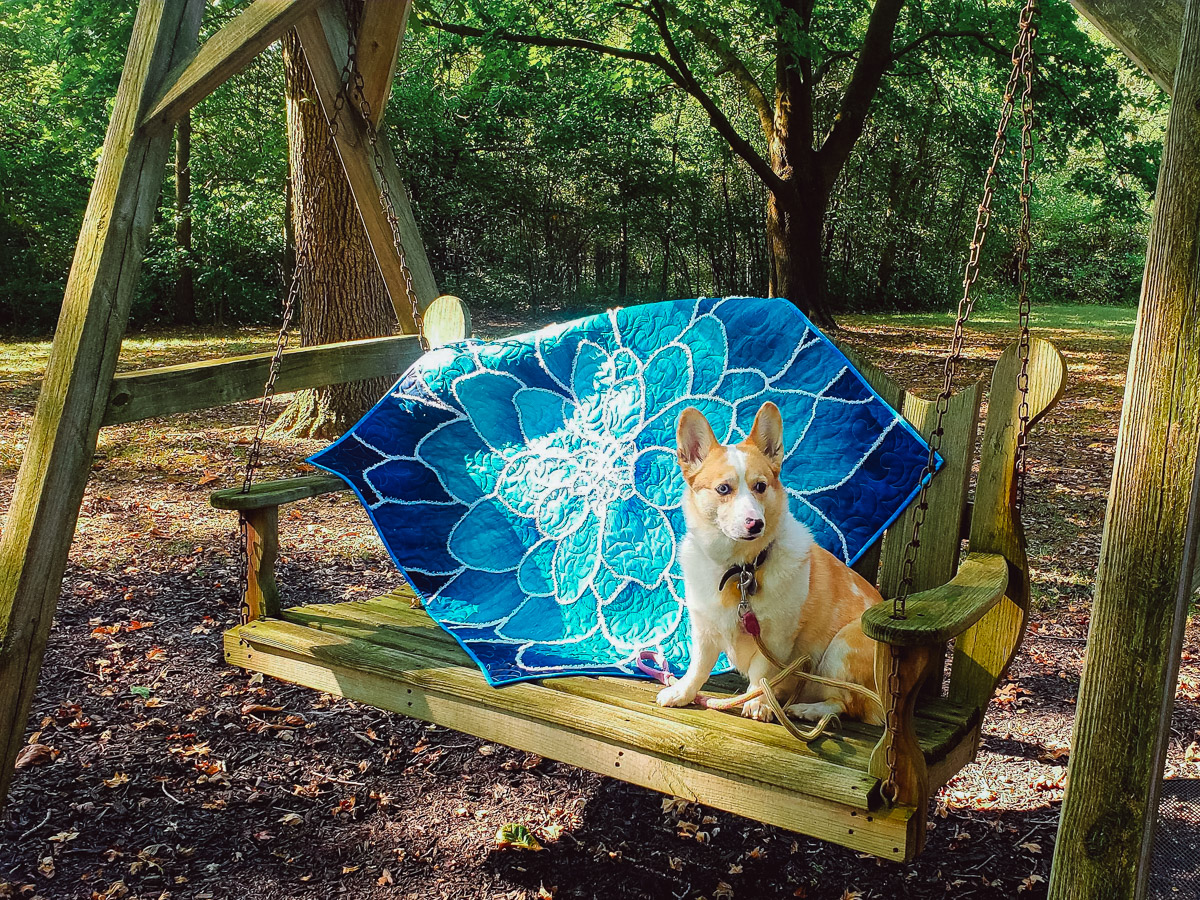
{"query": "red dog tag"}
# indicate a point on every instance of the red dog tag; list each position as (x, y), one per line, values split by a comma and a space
(750, 623)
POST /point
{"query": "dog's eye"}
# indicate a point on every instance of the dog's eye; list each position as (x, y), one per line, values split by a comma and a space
(723, 489)
(760, 488)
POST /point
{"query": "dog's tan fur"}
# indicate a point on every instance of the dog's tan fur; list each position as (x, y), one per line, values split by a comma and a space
(808, 601)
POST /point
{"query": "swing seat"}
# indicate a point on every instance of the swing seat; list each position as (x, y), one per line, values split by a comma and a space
(388, 654)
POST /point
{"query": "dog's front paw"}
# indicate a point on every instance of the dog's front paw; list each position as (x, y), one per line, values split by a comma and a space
(676, 694)
(757, 709)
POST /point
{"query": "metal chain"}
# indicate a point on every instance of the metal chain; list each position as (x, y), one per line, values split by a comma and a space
(889, 790)
(385, 191)
(1024, 246)
(303, 259)
(1022, 60)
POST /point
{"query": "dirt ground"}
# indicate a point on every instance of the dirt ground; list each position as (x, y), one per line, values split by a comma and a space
(156, 771)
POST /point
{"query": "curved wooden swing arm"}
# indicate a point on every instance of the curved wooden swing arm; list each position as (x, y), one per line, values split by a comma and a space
(943, 613)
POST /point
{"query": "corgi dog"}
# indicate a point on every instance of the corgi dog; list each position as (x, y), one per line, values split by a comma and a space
(806, 601)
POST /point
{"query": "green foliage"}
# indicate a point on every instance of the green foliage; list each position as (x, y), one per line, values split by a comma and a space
(559, 179)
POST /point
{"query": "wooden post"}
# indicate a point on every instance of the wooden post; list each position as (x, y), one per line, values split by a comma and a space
(41, 520)
(262, 549)
(1149, 543)
(379, 37)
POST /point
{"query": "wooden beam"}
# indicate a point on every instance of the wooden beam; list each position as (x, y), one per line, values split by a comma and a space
(324, 37)
(175, 389)
(1147, 31)
(225, 54)
(1149, 545)
(62, 438)
(379, 36)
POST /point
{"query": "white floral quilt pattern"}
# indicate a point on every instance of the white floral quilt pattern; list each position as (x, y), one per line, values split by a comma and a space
(528, 487)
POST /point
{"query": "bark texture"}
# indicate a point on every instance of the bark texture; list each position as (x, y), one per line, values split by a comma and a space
(1149, 544)
(342, 295)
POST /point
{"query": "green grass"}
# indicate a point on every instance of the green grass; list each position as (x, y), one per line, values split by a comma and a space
(1111, 320)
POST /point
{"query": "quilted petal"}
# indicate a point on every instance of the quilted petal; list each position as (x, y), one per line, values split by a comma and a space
(576, 559)
(637, 541)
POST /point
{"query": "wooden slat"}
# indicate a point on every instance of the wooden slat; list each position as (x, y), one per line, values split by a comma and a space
(623, 744)
(324, 38)
(62, 437)
(266, 494)
(379, 37)
(223, 55)
(940, 723)
(446, 320)
(698, 746)
(944, 612)
(937, 557)
(191, 386)
(1147, 31)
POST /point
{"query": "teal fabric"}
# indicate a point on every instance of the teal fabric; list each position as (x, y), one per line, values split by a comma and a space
(529, 491)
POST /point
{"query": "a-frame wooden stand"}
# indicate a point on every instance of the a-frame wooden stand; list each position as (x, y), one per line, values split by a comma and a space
(165, 75)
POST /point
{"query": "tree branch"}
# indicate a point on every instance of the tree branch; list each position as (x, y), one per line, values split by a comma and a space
(732, 64)
(874, 57)
(676, 69)
(716, 117)
(562, 43)
(984, 40)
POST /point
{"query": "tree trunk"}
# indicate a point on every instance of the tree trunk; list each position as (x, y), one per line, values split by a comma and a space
(342, 294)
(1148, 550)
(184, 304)
(798, 265)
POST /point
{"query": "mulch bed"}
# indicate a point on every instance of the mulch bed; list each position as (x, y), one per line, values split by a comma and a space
(156, 771)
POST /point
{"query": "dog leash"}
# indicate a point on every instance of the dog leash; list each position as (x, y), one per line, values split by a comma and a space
(654, 664)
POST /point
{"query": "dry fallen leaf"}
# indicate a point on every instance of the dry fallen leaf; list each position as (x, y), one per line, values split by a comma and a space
(34, 755)
(1028, 883)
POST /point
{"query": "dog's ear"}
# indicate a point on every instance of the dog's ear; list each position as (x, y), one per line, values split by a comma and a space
(695, 439)
(767, 434)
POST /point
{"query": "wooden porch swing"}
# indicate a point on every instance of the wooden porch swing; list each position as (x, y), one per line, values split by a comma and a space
(866, 788)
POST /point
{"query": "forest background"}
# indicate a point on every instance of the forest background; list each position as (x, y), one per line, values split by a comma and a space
(548, 180)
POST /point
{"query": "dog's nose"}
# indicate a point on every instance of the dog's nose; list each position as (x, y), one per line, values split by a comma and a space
(754, 526)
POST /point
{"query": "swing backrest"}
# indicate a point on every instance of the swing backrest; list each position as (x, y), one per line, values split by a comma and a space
(992, 522)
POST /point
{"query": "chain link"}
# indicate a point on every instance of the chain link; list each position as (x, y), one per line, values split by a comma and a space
(1022, 64)
(889, 789)
(1024, 246)
(302, 261)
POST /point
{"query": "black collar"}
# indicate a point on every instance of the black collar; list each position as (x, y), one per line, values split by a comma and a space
(750, 568)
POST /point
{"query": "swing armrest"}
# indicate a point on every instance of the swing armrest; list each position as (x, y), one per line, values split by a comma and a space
(266, 494)
(942, 613)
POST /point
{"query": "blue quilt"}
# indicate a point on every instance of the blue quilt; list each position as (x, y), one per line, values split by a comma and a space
(528, 487)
